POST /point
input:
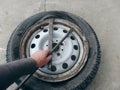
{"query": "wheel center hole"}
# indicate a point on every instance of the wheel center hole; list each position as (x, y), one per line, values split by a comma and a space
(53, 45)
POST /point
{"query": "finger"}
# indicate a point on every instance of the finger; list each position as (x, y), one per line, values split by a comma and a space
(46, 52)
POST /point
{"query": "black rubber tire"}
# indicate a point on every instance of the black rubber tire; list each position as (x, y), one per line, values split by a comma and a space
(80, 81)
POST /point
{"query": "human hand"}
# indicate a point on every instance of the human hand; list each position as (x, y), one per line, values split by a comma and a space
(41, 57)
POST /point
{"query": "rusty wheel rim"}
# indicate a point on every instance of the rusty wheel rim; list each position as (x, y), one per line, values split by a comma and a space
(75, 47)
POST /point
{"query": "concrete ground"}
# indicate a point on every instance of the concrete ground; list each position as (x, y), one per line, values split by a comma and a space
(102, 15)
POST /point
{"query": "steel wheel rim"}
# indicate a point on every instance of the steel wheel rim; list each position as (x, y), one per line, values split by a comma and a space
(34, 34)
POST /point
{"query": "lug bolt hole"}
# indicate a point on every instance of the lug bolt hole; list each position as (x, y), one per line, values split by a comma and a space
(45, 30)
(61, 43)
(33, 46)
(65, 65)
(75, 47)
(55, 28)
(65, 31)
(37, 36)
(73, 57)
(72, 38)
(58, 54)
(53, 68)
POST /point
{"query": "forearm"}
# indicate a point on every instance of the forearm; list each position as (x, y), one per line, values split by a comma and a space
(10, 72)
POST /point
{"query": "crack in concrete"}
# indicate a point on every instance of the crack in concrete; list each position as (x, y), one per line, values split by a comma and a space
(42, 5)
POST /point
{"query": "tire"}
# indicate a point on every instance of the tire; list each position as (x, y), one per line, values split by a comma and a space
(78, 82)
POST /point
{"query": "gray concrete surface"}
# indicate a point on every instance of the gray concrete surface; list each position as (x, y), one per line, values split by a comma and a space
(102, 15)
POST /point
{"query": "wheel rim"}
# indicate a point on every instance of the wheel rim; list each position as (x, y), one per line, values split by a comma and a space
(68, 59)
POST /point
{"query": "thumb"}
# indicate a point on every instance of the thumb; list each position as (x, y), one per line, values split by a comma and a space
(49, 58)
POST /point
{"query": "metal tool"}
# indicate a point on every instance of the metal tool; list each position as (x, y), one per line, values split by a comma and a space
(62, 39)
(50, 41)
(28, 76)
(25, 80)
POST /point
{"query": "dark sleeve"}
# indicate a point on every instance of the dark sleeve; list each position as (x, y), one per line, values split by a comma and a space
(10, 72)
